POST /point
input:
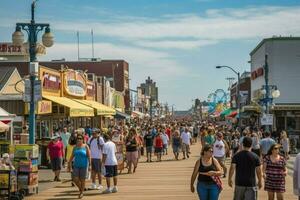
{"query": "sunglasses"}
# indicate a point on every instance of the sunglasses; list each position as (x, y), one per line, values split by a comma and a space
(210, 151)
(79, 138)
(276, 148)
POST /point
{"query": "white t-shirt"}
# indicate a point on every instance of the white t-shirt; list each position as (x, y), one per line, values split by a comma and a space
(165, 138)
(110, 149)
(96, 151)
(186, 137)
(219, 148)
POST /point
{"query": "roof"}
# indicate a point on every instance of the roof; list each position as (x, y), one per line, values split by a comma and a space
(5, 74)
(272, 39)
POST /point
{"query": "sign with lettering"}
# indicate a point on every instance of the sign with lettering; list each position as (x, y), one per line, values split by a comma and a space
(9, 49)
(75, 83)
(90, 90)
(266, 119)
(50, 81)
(257, 73)
(43, 107)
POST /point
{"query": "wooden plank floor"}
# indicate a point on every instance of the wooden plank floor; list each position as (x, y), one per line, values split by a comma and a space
(169, 180)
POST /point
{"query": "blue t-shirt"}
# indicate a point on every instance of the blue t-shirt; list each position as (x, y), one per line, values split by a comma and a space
(265, 145)
(80, 157)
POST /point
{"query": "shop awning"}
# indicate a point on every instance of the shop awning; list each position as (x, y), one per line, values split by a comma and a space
(226, 112)
(100, 108)
(137, 114)
(232, 114)
(121, 115)
(251, 108)
(76, 109)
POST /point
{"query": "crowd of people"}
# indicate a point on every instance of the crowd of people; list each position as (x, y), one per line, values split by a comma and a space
(256, 158)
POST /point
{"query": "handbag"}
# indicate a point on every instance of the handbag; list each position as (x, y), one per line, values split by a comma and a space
(218, 181)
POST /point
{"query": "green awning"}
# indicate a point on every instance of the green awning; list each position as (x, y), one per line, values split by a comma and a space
(226, 112)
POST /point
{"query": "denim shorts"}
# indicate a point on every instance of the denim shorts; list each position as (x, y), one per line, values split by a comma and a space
(80, 172)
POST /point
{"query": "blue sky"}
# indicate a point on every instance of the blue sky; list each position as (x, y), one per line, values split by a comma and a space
(176, 42)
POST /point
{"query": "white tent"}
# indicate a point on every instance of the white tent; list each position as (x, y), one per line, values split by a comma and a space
(3, 127)
(7, 119)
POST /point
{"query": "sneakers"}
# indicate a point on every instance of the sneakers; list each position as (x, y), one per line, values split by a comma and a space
(115, 189)
(107, 191)
(100, 187)
(93, 186)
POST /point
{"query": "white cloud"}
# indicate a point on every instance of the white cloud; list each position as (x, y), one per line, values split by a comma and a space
(181, 44)
(215, 25)
(143, 63)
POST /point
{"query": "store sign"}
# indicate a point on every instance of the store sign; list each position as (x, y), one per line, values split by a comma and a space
(44, 107)
(257, 73)
(266, 119)
(11, 49)
(51, 81)
(90, 90)
(75, 84)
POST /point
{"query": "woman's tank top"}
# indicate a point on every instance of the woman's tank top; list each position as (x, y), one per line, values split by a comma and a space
(80, 157)
(204, 178)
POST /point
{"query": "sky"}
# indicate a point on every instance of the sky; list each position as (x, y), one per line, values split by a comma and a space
(177, 43)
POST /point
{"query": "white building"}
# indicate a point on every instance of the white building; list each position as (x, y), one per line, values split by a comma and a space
(284, 71)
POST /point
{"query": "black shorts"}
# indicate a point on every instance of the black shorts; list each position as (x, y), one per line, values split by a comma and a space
(111, 170)
(158, 149)
(56, 164)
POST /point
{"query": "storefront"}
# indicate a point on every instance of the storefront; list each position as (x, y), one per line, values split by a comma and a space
(71, 98)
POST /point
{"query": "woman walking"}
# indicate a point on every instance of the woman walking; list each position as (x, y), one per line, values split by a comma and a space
(158, 146)
(55, 152)
(255, 144)
(285, 142)
(176, 144)
(208, 170)
(82, 160)
(131, 151)
(274, 173)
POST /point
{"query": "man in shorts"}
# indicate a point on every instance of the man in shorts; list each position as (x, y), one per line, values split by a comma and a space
(148, 140)
(96, 143)
(111, 164)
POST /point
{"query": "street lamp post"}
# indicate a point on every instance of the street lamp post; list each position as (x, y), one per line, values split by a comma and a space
(32, 30)
(238, 105)
(268, 99)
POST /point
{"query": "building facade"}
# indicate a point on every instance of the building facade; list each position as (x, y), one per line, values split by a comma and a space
(283, 63)
(116, 71)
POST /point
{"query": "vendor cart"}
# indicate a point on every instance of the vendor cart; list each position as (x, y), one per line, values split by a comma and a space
(8, 185)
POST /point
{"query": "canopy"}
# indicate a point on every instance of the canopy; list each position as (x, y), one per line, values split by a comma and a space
(121, 115)
(232, 114)
(3, 127)
(226, 112)
(100, 108)
(76, 109)
(137, 114)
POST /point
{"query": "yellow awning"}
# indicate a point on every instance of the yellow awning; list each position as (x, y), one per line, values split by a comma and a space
(100, 108)
(76, 109)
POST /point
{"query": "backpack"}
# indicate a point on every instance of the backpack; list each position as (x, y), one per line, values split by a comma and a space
(98, 142)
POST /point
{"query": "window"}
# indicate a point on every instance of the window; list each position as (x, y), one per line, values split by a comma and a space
(293, 123)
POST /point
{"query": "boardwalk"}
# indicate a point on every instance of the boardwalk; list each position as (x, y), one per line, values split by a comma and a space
(166, 180)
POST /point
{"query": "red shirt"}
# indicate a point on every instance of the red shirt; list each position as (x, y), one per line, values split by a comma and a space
(86, 138)
(158, 142)
(168, 132)
(56, 149)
